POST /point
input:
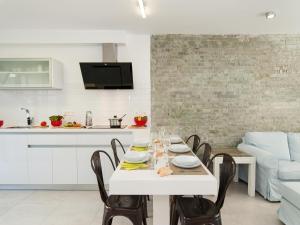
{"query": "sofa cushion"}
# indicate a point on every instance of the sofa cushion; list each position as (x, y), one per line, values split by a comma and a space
(274, 142)
(291, 192)
(288, 170)
(294, 145)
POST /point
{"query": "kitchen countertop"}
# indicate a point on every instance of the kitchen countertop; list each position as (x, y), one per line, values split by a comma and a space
(66, 130)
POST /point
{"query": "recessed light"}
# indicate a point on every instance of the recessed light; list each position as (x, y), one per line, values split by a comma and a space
(142, 8)
(270, 15)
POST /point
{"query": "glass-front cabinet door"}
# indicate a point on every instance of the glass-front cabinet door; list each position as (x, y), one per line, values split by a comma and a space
(29, 73)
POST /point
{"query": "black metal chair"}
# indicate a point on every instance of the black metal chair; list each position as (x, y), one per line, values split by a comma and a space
(114, 143)
(201, 211)
(205, 160)
(130, 206)
(205, 157)
(194, 141)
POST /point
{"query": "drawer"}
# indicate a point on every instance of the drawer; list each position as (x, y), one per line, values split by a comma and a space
(104, 139)
(52, 139)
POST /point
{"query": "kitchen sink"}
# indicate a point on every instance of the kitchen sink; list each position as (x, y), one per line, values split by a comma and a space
(19, 127)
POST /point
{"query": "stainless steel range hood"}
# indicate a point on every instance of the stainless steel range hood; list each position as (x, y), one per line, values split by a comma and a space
(108, 74)
(110, 52)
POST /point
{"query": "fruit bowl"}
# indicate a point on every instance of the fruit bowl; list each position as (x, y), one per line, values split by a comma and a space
(140, 121)
(56, 123)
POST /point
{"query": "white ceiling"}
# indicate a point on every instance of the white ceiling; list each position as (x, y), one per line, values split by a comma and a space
(164, 16)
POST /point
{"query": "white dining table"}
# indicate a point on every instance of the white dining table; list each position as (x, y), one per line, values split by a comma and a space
(148, 182)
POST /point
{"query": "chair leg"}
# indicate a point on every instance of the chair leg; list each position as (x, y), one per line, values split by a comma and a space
(107, 218)
(218, 220)
(145, 206)
(145, 221)
(175, 218)
(136, 219)
(172, 210)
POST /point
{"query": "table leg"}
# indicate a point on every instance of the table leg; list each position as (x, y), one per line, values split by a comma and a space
(236, 176)
(251, 179)
(161, 210)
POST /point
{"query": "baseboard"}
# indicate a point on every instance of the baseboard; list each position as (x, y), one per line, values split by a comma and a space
(60, 187)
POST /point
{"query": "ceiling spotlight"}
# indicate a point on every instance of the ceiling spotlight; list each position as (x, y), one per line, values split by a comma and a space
(142, 8)
(270, 15)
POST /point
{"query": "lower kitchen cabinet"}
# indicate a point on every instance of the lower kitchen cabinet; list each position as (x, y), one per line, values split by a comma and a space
(85, 173)
(13, 159)
(40, 165)
(64, 165)
(55, 158)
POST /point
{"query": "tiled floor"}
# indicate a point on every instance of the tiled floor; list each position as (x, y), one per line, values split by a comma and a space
(84, 208)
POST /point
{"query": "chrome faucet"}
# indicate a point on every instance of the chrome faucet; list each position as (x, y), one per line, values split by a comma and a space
(29, 119)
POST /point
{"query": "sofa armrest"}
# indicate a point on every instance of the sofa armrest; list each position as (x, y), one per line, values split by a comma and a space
(263, 158)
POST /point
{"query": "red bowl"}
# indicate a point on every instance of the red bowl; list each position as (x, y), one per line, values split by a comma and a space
(57, 123)
(140, 123)
(1, 123)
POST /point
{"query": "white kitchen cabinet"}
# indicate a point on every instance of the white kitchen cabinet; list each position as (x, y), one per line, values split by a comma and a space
(85, 173)
(64, 165)
(13, 159)
(28, 73)
(39, 158)
(40, 165)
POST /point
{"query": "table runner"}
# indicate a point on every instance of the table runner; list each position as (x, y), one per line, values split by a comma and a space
(193, 171)
(149, 163)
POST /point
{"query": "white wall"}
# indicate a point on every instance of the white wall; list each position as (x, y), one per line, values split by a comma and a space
(103, 103)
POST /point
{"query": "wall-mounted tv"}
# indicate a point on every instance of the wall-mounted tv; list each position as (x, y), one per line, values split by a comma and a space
(107, 75)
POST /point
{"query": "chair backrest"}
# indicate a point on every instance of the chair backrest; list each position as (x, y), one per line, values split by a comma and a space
(206, 153)
(114, 143)
(194, 141)
(97, 168)
(227, 172)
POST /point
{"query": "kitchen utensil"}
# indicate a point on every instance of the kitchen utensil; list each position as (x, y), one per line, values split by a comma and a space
(176, 139)
(136, 157)
(179, 148)
(140, 144)
(185, 161)
(88, 119)
(116, 122)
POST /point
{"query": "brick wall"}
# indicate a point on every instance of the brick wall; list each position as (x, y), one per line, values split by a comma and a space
(222, 86)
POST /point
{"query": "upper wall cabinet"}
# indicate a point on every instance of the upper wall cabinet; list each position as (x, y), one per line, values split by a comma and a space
(44, 73)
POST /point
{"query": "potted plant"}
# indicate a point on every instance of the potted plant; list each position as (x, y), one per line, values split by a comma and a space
(56, 120)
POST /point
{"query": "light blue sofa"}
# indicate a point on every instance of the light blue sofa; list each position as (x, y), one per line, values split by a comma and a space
(277, 159)
(289, 210)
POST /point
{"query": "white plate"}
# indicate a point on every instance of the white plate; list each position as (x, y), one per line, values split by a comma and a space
(175, 139)
(177, 163)
(140, 144)
(136, 157)
(186, 160)
(179, 148)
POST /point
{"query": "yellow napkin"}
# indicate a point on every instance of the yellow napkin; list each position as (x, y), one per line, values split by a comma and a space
(133, 166)
(139, 149)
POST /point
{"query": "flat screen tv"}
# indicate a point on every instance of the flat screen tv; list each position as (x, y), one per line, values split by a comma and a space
(107, 75)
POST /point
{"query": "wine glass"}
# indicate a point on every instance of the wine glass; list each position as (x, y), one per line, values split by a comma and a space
(166, 147)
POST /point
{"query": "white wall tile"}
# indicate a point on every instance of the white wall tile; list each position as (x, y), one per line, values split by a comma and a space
(103, 103)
